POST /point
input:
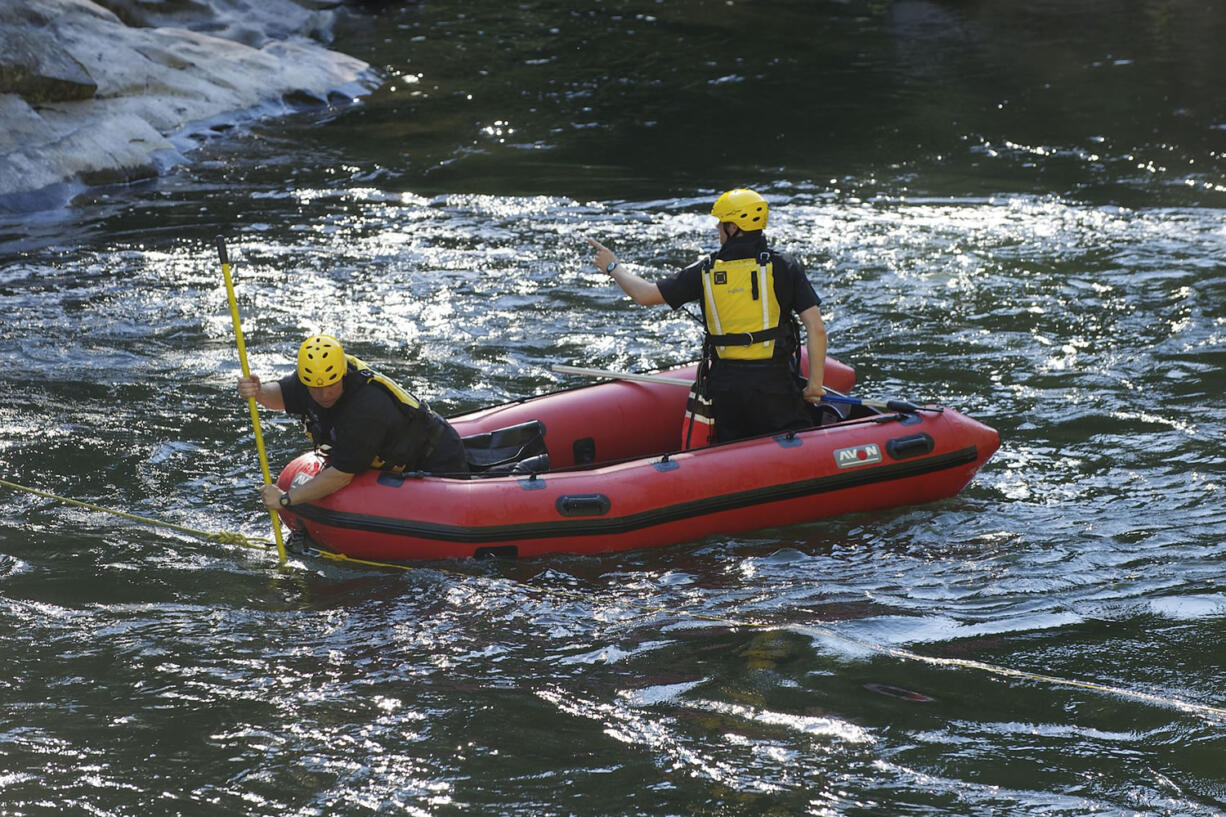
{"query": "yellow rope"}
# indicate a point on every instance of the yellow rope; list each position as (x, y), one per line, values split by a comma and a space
(225, 537)
(342, 558)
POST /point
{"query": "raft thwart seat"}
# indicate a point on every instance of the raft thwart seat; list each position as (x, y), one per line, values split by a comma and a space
(517, 449)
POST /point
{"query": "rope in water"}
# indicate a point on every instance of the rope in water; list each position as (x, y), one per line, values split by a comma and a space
(230, 538)
(225, 537)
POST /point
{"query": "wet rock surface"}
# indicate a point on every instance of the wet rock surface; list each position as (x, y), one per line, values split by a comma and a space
(113, 91)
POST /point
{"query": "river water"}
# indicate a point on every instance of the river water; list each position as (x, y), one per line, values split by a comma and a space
(1012, 209)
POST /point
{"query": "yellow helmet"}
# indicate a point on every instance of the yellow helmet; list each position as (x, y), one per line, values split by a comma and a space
(321, 361)
(743, 207)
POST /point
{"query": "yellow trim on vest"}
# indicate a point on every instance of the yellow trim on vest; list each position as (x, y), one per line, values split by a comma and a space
(372, 376)
(731, 308)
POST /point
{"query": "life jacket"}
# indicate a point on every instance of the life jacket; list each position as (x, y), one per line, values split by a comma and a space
(741, 308)
(409, 406)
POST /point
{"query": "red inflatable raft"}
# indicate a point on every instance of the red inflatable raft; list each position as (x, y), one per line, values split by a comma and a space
(616, 479)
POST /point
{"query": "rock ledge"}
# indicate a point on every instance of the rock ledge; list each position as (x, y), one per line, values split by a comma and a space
(95, 92)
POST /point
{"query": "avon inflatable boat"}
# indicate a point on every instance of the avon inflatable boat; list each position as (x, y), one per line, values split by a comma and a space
(602, 468)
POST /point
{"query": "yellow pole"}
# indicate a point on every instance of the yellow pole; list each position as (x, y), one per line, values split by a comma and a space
(255, 411)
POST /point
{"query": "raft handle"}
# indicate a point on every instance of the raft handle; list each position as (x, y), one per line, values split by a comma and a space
(583, 505)
(584, 450)
(914, 445)
(497, 552)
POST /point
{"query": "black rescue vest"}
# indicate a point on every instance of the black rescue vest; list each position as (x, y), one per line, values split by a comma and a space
(413, 409)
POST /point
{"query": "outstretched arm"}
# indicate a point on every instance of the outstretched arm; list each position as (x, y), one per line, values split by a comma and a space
(815, 330)
(640, 290)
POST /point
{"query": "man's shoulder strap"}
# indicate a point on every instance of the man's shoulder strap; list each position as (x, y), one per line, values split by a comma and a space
(400, 395)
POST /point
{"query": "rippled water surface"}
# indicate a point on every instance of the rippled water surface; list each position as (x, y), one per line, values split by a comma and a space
(1017, 213)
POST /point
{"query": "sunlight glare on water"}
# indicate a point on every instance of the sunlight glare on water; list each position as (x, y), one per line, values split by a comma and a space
(1002, 211)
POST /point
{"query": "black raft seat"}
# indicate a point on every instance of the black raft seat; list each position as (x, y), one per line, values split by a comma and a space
(517, 449)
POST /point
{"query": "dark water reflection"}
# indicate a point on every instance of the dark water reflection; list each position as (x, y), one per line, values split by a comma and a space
(1016, 210)
(1092, 98)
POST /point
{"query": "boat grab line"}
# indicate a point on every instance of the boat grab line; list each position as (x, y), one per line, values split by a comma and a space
(620, 525)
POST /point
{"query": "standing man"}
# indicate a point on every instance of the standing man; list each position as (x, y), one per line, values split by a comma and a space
(357, 418)
(748, 293)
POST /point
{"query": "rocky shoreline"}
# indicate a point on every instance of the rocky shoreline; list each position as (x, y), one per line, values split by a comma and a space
(112, 91)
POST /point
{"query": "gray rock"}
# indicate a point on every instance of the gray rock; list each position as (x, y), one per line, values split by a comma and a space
(86, 98)
(33, 66)
(251, 22)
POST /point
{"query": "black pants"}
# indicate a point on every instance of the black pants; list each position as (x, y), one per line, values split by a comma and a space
(756, 397)
(448, 456)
